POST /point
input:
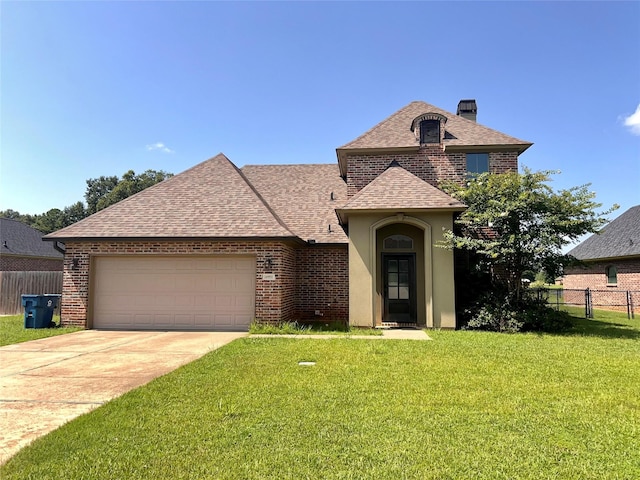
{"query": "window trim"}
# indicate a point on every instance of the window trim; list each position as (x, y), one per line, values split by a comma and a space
(607, 272)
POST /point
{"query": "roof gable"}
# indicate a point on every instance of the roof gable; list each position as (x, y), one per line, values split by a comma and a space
(398, 189)
(17, 238)
(620, 238)
(211, 200)
(395, 131)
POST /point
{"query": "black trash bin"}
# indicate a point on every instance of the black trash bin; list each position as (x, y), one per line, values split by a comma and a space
(38, 310)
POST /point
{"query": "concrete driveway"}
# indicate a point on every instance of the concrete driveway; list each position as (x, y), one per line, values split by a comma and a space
(45, 383)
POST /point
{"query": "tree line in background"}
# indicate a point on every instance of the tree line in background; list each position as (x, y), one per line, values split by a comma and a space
(100, 193)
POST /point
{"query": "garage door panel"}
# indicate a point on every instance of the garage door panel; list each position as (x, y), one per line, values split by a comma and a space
(142, 319)
(163, 320)
(203, 320)
(225, 320)
(243, 283)
(226, 264)
(156, 292)
(224, 302)
(224, 283)
(202, 283)
(168, 301)
(244, 301)
(201, 301)
(122, 321)
(184, 301)
(183, 320)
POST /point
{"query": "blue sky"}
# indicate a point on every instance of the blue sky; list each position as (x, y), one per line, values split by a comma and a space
(98, 88)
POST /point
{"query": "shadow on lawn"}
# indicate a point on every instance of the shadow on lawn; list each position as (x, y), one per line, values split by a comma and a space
(603, 329)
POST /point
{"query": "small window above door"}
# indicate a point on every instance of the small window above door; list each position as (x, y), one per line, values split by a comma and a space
(398, 242)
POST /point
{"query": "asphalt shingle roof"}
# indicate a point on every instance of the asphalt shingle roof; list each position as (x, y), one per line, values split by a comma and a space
(398, 189)
(301, 195)
(211, 200)
(395, 131)
(619, 238)
(16, 238)
(215, 199)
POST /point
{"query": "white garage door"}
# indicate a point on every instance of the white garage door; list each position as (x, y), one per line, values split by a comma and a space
(173, 293)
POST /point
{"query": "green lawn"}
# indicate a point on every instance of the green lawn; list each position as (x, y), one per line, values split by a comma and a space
(467, 405)
(12, 330)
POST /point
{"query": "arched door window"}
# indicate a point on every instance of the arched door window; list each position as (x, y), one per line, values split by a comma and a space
(397, 242)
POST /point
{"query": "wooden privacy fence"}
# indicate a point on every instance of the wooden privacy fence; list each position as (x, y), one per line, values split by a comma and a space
(15, 284)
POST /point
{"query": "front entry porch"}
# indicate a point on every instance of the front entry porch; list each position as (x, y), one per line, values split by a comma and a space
(398, 277)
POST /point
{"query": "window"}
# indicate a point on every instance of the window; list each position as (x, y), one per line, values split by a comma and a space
(395, 242)
(429, 131)
(612, 275)
(477, 163)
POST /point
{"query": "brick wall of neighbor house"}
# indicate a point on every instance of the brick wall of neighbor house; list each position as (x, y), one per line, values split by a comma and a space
(604, 296)
(430, 163)
(275, 300)
(322, 283)
(10, 263)
(595, 277)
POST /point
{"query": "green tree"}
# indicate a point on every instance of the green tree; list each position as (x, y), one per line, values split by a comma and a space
(516, 222)
(50, 221)
(101, 192)
(74, 213)
(97, 188)
(105, 191)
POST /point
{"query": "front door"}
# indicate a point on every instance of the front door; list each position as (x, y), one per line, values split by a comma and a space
(399, 272)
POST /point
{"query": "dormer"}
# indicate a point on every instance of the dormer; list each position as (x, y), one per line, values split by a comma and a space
(428, 128)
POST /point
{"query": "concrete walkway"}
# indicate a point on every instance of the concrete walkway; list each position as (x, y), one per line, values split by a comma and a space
(46, 383)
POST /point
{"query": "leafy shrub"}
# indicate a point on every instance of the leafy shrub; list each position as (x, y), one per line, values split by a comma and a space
(502, 313)
(495, 319)
(539, 317)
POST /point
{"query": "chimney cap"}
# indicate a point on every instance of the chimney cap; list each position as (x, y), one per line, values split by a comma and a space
(467, 106)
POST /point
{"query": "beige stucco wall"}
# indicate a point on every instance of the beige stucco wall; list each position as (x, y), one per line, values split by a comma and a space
(438, 299)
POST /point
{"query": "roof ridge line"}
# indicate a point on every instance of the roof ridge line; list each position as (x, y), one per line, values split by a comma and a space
(261, 198)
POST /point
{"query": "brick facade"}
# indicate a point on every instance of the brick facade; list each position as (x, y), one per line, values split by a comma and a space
(430, 163)
(14, 263)
(279, 300)
(322, 283)
(595, 277)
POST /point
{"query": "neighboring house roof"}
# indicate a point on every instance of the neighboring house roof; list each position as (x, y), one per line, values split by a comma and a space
(304, 197)
(620, 238)
(211, 200)
(398, 189)
(19, 239)
(395, 132)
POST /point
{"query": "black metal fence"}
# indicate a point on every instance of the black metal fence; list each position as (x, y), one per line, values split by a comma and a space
(618, 300)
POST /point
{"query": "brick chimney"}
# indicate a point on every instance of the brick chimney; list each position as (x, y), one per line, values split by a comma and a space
(467, 109)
